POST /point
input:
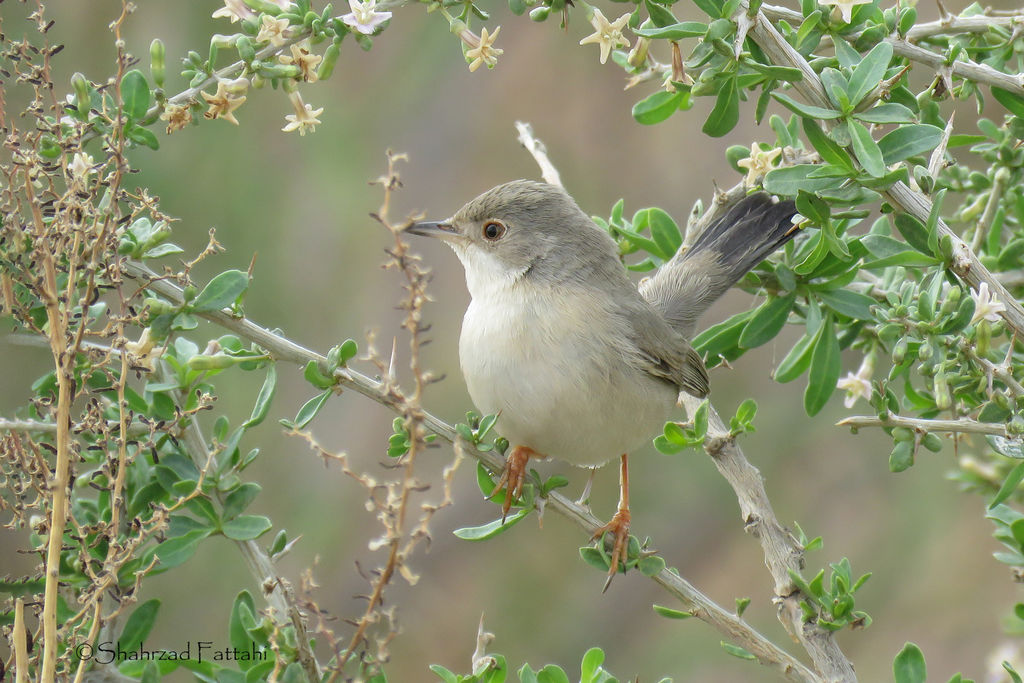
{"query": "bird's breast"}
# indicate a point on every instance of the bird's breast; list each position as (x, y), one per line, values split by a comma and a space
(554, 366)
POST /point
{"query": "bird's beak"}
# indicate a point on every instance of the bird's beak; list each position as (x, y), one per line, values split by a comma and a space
(444, 230)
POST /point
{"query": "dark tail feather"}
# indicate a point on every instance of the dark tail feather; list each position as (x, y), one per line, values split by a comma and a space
(687, 285)
(753, 228)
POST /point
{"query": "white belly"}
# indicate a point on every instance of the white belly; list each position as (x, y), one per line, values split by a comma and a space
(558, 388)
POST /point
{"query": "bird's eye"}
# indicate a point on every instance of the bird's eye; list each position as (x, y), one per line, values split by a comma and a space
(493, 230)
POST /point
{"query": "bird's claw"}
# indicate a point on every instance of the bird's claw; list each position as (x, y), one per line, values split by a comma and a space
(618, 526)
(512, 478)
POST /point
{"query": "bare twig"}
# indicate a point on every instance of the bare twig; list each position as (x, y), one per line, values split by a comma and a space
(539, 153)
(963, 425)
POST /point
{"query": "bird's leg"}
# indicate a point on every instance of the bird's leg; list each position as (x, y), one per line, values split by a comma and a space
(512, 477)
(584, 499)
(619, 523)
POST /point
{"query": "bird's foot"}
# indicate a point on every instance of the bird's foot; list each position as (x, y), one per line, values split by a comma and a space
(618, 526)
(512, 477)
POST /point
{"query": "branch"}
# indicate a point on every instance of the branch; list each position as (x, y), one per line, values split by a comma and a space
(963, 425)
(782, 552)
(273, 588)
(967, 69)
(539, 153)
(282, 348)
(965, 263)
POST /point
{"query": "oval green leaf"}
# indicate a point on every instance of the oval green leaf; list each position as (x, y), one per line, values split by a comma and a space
(657, 107)
(135, 94)
(824, 370)
(768, 320)
(221, 291)
(910, 140)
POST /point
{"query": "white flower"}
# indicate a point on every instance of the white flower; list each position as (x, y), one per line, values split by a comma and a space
(606, 34)
(986, 306)
(81, 167)
(758, 163)
(484, 51)
(273, 30)
(858, 385)
(304, 117)
(281, 4)
(364, 16)
(844, 7)
(235, 10)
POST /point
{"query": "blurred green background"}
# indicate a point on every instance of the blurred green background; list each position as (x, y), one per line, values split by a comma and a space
(301, 205)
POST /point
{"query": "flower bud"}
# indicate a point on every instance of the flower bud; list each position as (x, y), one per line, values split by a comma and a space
(330, 59)
(943, 399)
(157, 63)
(83, 99)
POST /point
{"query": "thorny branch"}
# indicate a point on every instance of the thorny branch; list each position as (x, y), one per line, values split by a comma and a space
(965, 263)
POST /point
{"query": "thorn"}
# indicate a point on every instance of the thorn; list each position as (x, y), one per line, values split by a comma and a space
(391, 363)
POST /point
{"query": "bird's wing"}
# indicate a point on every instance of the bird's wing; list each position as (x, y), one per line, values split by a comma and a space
(665, 354)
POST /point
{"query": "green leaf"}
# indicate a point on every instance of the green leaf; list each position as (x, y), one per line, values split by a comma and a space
(797, 360)
(663, 229)
(670, 613)
(444, 674)
(316, 377)
(726, 114)
(175, 551)
(909, 140)
(657, 107)
(806, 110)
(768, 320)
(491, 529)
(1010, 485)
(737, 651)
(869, 73)
(135, 94)
(246, 527)
(590, 664)
(143, 136)
(660, 15)
(308, 411)
(866, 150)
(889, 112)
(722, 340)
(239, 499)
(221, 291)
(913, 232)
(824, 370)
(825, 146)
(849, 303)
(243, 619)
(684, 29)
(909, 667)
(263, 398)
(790, 180)
(138, 625)
(651, 565)
(1013, 102)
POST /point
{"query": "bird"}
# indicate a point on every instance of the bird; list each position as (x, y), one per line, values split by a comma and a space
(579, 363)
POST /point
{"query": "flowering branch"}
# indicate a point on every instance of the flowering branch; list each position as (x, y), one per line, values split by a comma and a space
(965, 264)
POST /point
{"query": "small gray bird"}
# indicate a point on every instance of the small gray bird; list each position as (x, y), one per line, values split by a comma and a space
(577, 362)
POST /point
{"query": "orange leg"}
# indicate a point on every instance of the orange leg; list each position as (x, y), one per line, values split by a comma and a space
(619, 523)
(512, 476)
